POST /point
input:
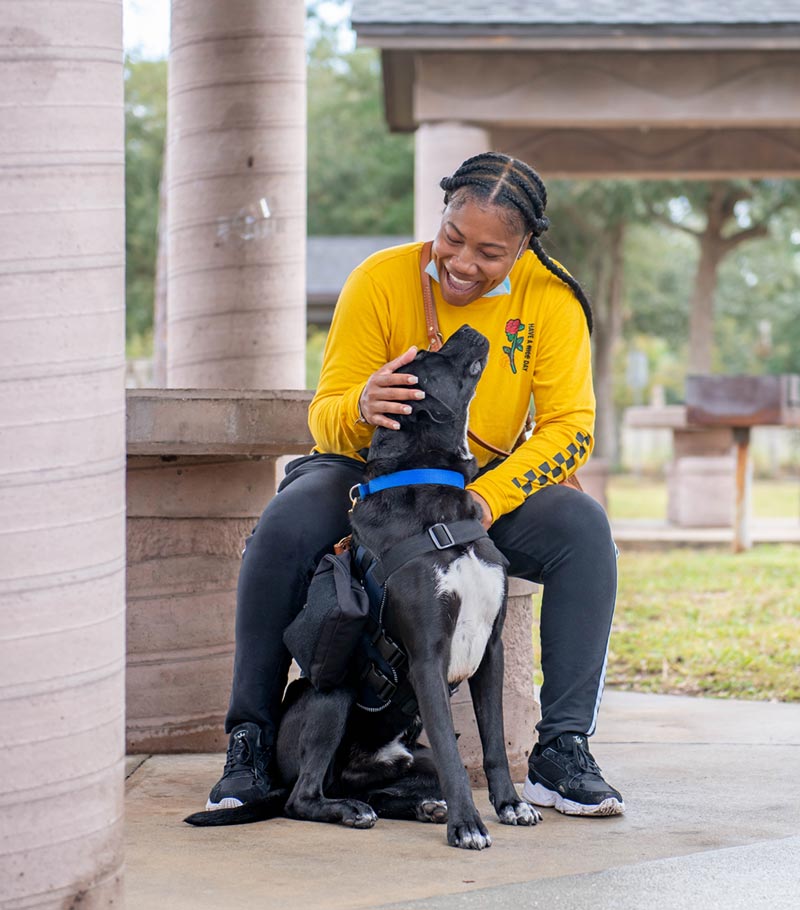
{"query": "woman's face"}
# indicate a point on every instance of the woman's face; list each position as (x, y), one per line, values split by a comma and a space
(474, 250)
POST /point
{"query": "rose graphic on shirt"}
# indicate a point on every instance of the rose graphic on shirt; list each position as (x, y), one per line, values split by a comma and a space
(514, 333)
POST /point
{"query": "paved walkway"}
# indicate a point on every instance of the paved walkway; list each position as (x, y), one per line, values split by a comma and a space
(712, 822)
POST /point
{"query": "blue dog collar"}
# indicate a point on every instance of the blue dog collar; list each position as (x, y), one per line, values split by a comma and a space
(407, 478)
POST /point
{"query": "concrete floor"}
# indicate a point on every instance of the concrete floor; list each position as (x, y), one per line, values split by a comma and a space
(712, 821)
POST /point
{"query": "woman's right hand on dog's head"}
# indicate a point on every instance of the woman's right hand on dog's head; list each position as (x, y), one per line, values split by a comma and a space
(387, 393)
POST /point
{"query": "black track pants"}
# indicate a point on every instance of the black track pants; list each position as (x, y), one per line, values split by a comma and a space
(557, 537)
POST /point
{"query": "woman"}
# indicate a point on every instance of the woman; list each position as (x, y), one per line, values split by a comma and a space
(489, 270)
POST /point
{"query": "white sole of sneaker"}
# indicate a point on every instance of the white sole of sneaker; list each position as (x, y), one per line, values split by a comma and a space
(539, 795)
(229, 802)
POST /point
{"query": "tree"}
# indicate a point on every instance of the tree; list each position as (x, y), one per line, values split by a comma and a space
(145, 129)
(590, 224)
(720, 215)
(360, 176)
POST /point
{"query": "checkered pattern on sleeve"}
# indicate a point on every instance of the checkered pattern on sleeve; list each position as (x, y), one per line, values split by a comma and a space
(555, 470)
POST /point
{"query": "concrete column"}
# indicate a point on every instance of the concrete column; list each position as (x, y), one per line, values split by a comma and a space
(62, 454)
(439, 149)
(236, 195)
(520, 709)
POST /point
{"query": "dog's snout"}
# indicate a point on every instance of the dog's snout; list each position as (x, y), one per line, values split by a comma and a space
(467, 342)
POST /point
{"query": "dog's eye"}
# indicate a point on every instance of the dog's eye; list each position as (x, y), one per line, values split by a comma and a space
(475, 368)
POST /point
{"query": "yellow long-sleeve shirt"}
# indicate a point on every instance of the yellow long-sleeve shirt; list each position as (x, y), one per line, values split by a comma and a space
(539, 347)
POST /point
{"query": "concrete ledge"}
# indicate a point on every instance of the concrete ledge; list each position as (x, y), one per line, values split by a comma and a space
(201, 468)
(217, 422)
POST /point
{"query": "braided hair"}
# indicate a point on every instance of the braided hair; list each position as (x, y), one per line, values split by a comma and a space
(496, 179)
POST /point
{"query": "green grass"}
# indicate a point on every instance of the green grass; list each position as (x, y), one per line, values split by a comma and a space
(315, 344)
(707, 622)
(632, 497)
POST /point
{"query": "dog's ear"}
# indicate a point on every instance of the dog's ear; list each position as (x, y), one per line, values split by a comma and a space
(434, 408)
(437, 380)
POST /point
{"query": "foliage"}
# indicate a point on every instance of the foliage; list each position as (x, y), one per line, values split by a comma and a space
(759, 281)
(360, 177)
(659, 264)
(145, 130)
(315, 345)
(726, 219)
(759, 301)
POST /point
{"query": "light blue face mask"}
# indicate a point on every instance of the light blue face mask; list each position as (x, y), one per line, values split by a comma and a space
(503, 288)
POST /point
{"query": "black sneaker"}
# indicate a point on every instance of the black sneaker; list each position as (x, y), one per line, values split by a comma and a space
(246, 775)
(564, 775)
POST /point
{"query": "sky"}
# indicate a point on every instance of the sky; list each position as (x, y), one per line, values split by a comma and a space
(146, 26)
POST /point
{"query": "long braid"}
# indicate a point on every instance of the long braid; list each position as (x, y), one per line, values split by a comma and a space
(498, 179)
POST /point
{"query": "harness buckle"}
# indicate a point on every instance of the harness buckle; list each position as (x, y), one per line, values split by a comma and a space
(389, 650)
(380, 683)
(441, 536)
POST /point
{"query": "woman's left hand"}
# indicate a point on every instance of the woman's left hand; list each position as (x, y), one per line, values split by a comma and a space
(486, 513)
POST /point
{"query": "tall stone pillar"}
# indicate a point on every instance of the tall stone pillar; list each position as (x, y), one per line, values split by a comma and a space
(439, 149)
(62, 454)
(236, 195)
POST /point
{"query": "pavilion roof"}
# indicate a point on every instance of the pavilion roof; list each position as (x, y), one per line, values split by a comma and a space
(574, 12)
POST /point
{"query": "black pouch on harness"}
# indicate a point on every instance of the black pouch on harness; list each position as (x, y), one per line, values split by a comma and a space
(324, 635)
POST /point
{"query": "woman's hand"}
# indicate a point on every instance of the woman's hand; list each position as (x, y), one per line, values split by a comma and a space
(486, 513)
(387, 392)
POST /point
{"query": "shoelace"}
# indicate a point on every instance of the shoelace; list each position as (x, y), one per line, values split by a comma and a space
(241, 757)
(238, 755)
(583, 757)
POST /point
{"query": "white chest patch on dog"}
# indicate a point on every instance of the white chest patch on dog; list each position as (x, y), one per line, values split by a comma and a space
(479, 587)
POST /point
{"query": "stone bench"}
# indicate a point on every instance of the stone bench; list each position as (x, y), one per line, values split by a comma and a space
(201, 467)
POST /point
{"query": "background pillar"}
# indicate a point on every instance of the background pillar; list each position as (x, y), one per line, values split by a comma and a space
(439, 149)
(520, 708)
(236, 195)
(62, 454)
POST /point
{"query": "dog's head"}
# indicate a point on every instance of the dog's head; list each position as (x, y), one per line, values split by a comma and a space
(437, 425)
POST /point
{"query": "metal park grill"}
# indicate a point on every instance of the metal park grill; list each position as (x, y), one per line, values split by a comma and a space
(743, 402)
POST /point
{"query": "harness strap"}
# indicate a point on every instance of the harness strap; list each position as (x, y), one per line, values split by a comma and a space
(376, 569)
(385, 676)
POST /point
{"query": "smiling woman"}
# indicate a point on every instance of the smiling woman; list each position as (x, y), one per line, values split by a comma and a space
(472, 253)
(489, 271)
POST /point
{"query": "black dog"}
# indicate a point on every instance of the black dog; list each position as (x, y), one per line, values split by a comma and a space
(444, 601)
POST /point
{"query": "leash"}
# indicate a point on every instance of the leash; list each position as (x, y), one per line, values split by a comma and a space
(435, 338)
(435, 341)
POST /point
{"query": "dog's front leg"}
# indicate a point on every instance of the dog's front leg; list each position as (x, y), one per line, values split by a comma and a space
(464, 825)
(323, 722)
(486, 688)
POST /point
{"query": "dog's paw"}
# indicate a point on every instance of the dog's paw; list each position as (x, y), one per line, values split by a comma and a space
(432, 810)
(518, 814)
(469, 835)
(356, 814)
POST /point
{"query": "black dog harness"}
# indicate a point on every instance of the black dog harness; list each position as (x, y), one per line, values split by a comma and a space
(384, 677)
